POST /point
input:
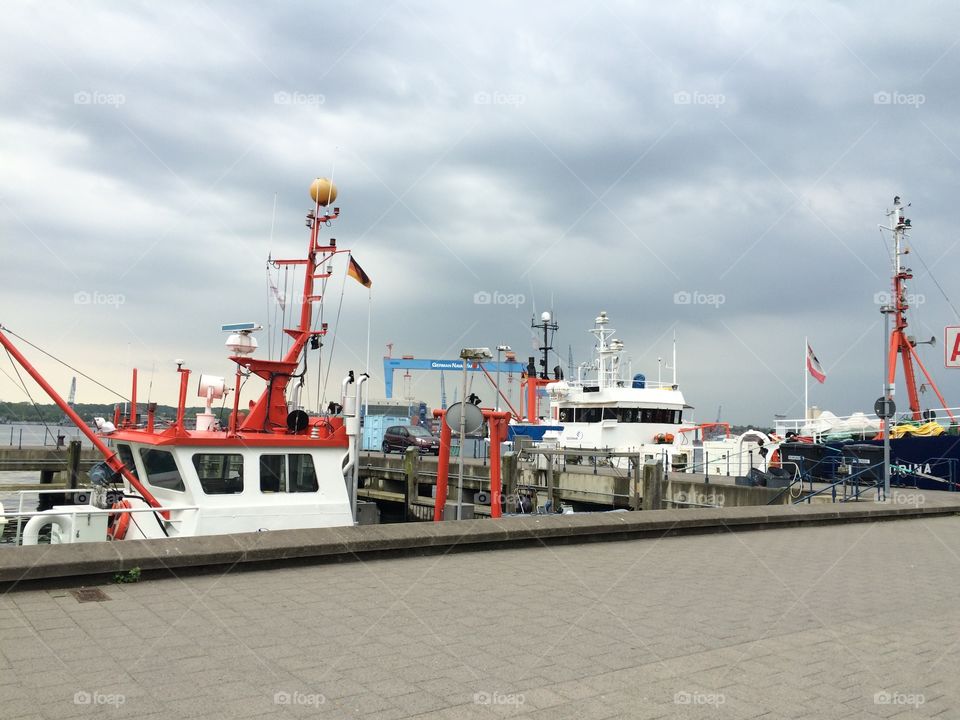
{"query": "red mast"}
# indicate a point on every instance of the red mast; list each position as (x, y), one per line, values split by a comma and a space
(269, 414)
(900, 343)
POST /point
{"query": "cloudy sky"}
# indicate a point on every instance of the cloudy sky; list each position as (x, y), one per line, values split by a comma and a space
(718, 170)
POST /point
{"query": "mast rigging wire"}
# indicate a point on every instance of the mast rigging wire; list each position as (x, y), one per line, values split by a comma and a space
(55, 358)
(932, 277)
(336, 328)
(32, 401)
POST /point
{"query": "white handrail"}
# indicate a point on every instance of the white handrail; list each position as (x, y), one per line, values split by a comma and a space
(83, 510)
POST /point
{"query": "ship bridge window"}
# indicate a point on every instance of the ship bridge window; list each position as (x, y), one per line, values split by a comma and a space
(161, 469)
(661, 416)
(610, 413)
(219, 473)
(126, 457)
(288, 473)
(629, 415)
(566, 415)
(588, 414)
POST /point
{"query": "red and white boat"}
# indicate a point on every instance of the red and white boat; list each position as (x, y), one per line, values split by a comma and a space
(273, 467)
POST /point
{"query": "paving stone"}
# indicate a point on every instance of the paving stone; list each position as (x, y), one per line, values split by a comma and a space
(787, 623)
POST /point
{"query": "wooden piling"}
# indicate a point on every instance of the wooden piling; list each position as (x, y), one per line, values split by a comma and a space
(411, 489)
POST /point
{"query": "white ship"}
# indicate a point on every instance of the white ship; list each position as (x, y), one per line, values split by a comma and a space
(608, 409)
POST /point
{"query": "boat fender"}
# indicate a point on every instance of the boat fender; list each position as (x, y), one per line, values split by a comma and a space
(119, 523)
(774, 459)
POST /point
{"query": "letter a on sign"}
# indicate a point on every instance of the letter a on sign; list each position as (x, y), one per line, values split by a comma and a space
(951, 346)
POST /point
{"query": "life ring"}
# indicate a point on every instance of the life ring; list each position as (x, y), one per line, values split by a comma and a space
(119, 523)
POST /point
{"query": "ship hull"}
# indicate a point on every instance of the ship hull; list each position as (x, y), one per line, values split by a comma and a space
(916, 461)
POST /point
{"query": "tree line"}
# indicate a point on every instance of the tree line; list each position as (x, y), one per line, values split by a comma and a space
(25, 412)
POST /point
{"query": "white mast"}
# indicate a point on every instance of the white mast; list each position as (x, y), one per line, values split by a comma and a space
(806, 379)
(674, 358)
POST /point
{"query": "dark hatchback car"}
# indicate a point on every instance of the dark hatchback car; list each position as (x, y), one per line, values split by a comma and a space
(400, 437)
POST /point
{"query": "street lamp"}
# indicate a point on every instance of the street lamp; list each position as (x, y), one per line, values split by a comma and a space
(500, 349)
(466, 354)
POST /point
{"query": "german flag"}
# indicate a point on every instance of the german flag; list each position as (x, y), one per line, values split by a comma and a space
(356, 272)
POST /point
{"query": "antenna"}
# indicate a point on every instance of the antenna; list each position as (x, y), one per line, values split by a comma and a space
(548, 326)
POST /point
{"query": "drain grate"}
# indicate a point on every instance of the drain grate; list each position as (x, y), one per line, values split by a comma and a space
(89, 595)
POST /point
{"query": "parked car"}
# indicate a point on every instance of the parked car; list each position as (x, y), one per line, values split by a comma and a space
(400, 437)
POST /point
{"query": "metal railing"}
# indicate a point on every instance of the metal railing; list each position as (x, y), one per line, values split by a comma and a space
(939, 415)
(20, 514)
(852, 485)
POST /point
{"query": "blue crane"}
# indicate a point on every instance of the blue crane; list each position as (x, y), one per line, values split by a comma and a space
(390, 364)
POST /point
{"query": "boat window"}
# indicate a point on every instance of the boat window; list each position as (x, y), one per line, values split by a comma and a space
(303, 477)
(273, 473)
(629, 415)
(646, 415)
(588, 415)
(566, 415)
(219, 473)
(283, 473)
(609, 413)
(126, 457)
(161, 469)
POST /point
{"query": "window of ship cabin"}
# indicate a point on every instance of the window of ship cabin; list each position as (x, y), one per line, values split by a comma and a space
(566, 415)
(588, 415)
(126, 457)
(629, 415)
(303, 477)
(274, 473)
(219, 473)
(609, 413)
(161, 469)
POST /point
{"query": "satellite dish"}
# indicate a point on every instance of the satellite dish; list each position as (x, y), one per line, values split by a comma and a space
(473, 417)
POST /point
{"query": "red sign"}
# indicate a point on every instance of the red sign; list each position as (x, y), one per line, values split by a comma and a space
(951, 346)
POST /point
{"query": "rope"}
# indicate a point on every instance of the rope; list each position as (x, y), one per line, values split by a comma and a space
(32, 402)
(56, 359)
(932, 277)
(336, 327)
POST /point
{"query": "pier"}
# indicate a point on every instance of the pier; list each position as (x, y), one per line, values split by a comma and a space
(404, 485)
(731, 624)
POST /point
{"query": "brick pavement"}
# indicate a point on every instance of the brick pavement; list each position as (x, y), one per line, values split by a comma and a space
(842, 621)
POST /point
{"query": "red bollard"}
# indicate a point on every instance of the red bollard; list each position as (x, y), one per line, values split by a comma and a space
(496, 437)
(443, 466)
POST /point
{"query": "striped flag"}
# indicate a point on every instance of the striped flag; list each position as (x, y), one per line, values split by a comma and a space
(813, 365)
(356, 272)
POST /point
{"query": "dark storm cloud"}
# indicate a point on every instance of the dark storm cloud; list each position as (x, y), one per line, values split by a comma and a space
(716, 171)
